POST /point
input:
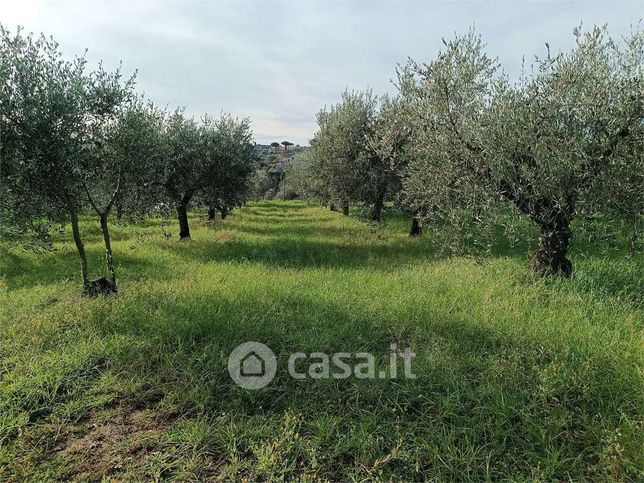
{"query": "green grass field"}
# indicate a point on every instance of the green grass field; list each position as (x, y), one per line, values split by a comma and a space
(518, 378)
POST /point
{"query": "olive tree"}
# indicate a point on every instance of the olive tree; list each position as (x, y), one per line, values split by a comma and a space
(180, 171)
(571, 143)
(117, 169)
(42, 132)
(102, 169)
(562, 141)
(231, 162)
(303, 177)
(209, 161)
(385, 149)
(341, 145)
(357, 152)
(136, 143)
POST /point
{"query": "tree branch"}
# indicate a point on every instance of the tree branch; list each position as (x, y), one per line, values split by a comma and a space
(115, 193)
(91, 200)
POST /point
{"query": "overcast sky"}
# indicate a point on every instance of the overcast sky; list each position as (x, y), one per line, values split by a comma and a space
(279, 62)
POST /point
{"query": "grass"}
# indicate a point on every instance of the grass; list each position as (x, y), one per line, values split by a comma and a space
(518, 378)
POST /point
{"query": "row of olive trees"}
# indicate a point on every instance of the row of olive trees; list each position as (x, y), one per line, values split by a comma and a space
(564, 142)
(73, 141)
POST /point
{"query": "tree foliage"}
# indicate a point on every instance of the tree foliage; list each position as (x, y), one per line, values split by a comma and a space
(357, 153)
(228, 177)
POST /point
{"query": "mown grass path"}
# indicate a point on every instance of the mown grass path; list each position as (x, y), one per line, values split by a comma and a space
(516, 377)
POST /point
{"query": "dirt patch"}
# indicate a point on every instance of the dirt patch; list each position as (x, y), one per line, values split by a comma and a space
(109, 442)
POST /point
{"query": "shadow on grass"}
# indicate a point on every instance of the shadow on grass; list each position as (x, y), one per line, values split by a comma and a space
(188, 348)
(287, 252)
(470, 378)
(22, 272)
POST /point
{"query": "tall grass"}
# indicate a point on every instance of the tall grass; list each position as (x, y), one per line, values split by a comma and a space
(517, 377)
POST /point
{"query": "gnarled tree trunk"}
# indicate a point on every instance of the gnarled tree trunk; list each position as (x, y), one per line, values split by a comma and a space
(224, 212)
(554, 239)
(332, 207)
(553, 219)
(345, 208)
(212, 213)
(416, 229)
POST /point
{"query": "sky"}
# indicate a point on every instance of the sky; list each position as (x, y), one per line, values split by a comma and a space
(280, 62)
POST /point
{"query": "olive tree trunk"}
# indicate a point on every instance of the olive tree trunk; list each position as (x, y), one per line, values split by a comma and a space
(416, 229)
(182, 213)
(345, 209)
(553, 220)
(224, 212)
(73, 213)
(554, 239)
(109, 261)
(376, 209)
(212, 213)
